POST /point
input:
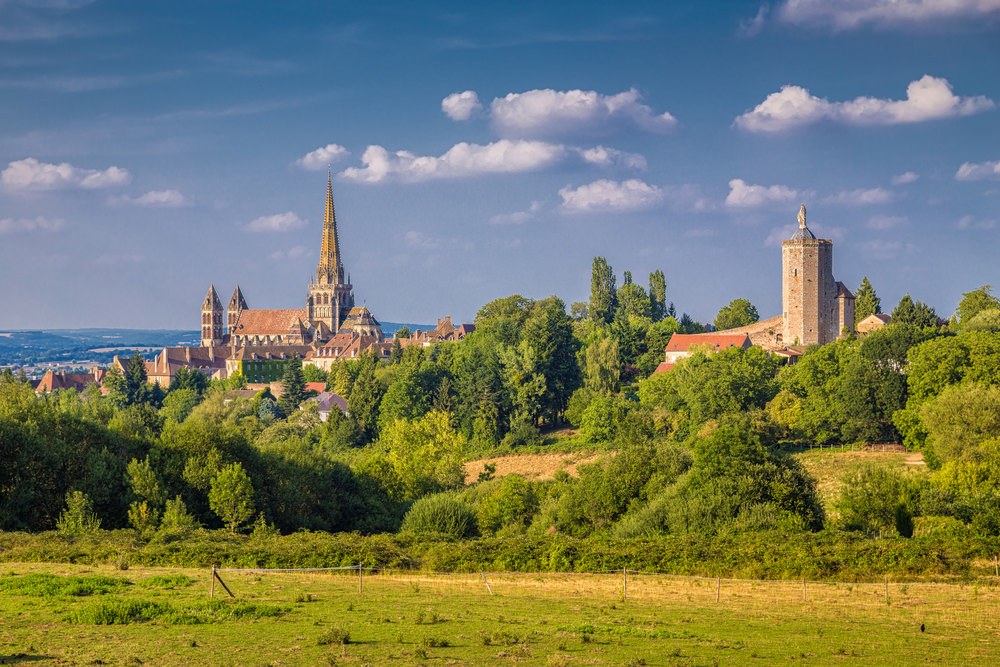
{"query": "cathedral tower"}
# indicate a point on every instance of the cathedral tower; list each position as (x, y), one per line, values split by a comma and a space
(329, 296)
(237, 304)
(211, 319)
(815, 307)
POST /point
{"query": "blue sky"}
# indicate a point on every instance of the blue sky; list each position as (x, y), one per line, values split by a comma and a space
(149, 149)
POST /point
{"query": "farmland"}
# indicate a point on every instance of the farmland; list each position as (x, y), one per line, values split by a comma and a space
(71, 614)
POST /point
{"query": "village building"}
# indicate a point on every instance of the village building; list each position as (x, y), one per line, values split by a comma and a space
(872, 323)
(53, 380)
(682, 346)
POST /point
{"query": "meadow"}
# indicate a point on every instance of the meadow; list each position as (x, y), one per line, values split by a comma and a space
(73, 614)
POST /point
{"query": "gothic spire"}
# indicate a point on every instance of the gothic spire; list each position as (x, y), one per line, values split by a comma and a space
(212, 300)
(237, 302)
(329, 269)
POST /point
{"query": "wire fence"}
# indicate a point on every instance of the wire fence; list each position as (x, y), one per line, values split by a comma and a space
(973, 606)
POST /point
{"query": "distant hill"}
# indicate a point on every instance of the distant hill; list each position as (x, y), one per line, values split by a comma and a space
(36, 346)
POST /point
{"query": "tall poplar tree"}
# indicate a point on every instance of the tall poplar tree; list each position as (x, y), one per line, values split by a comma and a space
(866, 302)
(657, 295)
(603, 294)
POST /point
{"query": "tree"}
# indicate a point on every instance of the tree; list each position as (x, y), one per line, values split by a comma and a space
(578, 311)
(602, 367)
(975, 302)
(425, 455)
(866, 302)
(603, 295)
(403, 332)
(366, 395)
(502, 319)
(187, 378)
(231, 496)
(876, 500)
(632, 300)
(917, 313)
(738, 313)
(78, 517)
(293, 386)
(657, 295)
(128, 387)
(549, 332)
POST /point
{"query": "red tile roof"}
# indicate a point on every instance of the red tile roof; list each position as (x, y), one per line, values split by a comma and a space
(684, 342)
(269, 322)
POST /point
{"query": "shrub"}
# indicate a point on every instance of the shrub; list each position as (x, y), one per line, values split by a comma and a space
(441, 514)
(78, 517)
(336, 635)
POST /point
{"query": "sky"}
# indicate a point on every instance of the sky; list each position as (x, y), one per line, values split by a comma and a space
(478, 150)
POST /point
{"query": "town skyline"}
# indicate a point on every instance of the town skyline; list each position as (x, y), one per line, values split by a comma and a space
(147, 151)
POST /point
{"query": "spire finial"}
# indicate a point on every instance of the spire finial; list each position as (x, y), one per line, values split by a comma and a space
(802, 216)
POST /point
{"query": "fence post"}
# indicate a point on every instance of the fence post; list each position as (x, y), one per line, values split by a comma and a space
(996, 566)
(624, 584)
(887, 590)
(803, 589)
(481, 574)
(718, 588)
(361, 582)
(213, 581)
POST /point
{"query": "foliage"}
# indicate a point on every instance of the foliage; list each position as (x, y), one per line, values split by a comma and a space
(975, 302)
(917, 313)
(657, 295)
(421, 456)
(877, 501)
(293, 386)
(866, 301)
(440, 514)
(78, 517)
(737, 313)
(603, 294)
(231, 496)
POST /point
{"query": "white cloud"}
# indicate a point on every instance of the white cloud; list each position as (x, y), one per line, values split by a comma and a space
(886, 221)
(43, 224)
(461, 160)
(880, 248)
(752, 27)
(608, 157)
(904, 178)
(416, 239)
(30, 174)
(322, 157)
(607, 195)
(548, 113)
(153, 198)
(460, 106)
(970, 222)
(860, 197)
(281, 222)
(850, 14)
(977, 171)
(928, 98)
(518, 217)
(295, 252)
(744, 195)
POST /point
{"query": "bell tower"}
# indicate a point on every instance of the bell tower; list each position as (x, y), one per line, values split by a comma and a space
(808, 289)
(329, 296)
(211, 319)
(237, 304)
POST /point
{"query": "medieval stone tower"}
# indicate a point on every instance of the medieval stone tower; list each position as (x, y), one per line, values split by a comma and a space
(816, 309)
(330, 297)
(211, 319)
(237, 304)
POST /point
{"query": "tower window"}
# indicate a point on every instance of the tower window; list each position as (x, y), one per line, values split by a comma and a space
(795, 272)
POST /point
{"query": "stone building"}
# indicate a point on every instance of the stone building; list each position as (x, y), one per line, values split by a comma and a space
(816, 308)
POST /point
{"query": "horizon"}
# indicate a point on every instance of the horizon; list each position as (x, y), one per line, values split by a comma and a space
(149, 150)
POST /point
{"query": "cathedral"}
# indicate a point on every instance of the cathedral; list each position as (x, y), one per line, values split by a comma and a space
(329, 308)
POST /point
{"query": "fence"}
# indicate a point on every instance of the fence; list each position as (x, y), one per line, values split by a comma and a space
(973, 606)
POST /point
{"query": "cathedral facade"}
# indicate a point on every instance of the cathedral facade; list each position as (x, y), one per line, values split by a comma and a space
(329, 307)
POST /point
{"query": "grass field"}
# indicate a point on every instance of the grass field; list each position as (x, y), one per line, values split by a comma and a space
(66, 614)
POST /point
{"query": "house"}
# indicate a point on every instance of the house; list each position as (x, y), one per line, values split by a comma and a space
(329, 401)
(53, 380)
(872, 323)
(681, 346)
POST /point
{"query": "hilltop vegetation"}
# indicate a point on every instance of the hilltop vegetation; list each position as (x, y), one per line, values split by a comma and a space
(702, 453)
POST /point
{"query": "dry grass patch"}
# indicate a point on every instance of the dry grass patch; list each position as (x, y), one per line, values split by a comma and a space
(535, 467)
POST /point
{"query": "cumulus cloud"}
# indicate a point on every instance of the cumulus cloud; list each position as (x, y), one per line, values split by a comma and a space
(548, 113)
(281, 222)
(904, 178)
(752, 27)
(518, 217)
(153, 198)
(295, 252)
(744, 195)
(461, 160)
(461, 106)
(30, 174)
(610, 157)
(881, 222)
(928, 98)
(978, 171)
(850, 14)
(861, 197)
(322, 157)
(607, 195)
(971, 222)
(39, 224)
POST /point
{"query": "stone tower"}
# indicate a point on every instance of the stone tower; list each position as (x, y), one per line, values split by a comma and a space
(237, 304)
(330, 297)
(816, 308)
(211, 319)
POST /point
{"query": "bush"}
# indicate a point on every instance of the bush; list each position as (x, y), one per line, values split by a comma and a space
(336, 635)
(440, 514)
(78, 517)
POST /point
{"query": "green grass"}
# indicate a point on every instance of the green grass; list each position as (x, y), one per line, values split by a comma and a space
(532, 619)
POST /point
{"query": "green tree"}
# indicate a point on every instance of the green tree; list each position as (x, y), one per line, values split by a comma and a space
(312, 373)
(738, 313)
(657, 295)
(179, 403)
(231, 496)
(403, 332)
(502, 319)
(876, 500)
(187, 378)
(293, 386)
(603, 294)
(975, 302)
(366, 396)
(917, 313)
(79, 516)
(602, 368)
(425, 455)
(549, 332)
(633, 300)
(866, 302)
